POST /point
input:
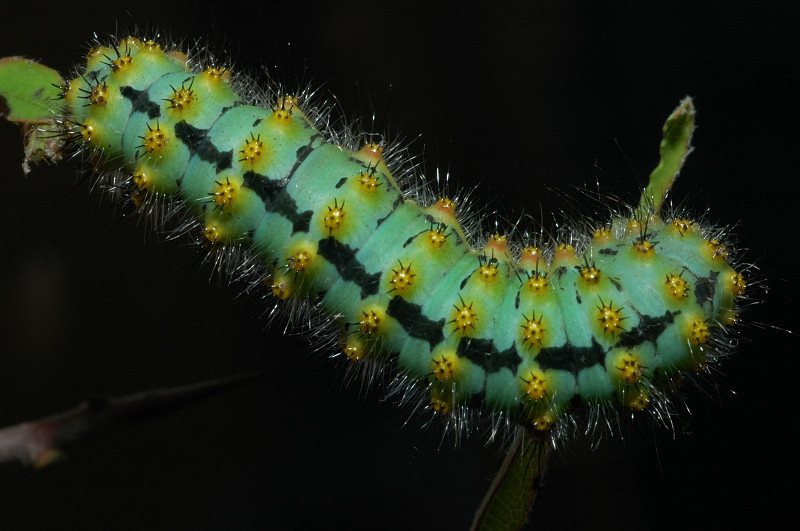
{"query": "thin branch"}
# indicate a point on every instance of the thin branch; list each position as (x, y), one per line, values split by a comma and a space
(40, 442)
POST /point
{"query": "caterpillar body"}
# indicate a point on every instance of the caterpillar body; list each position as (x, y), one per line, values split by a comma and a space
(469, 326)
(137, 278)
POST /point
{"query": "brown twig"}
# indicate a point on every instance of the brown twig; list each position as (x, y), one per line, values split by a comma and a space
(40, 442)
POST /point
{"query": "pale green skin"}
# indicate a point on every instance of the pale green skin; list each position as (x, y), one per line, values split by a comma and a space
(353, 265)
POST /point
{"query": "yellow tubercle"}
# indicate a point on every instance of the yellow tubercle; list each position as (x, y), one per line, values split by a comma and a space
(698, 333)
(439, 405)
(354, 349)
(436, 238)
(465, 317)
(212, 234)
(535, 385)
(254, 154)
(99, 94)
(155, 140)
(282, 116)
(370, 322)
(142, 179)
(637, 401)
(729, 317)
(88, 132)
(368, 182)
(224, 193)
(603, 234)
(736, 283)
(374, 147)
(544, 422)
(533, 331)
(682, 225)
(676, 286)
(300, 260)
(288, 107)
(95, 52)
(151, 46)
(630, 368)
(99, 57)
(644, 248)
(445, 367)
(70, 92)
(401, 279)
(280, 286)
(121, 64)
(590, 275)
(716, 250)
(335, 217)
(217, 74)
(182, 98)
(537, 283)
(610, 319)
(488, 272)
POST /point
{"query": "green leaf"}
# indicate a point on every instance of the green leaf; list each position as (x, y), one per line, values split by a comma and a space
(510, 498)
(29, 91)
(30, 95)
(676, 144)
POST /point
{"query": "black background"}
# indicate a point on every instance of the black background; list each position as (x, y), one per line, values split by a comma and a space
(520, 100)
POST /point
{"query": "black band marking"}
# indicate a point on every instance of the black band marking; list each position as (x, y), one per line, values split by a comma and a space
(410, 317)
(267, 189)
(570, 358)
(343, 257)
(275, 196)
(648, 329)
(198, 143)
(483, 353)
(286, 206)
(140, 101)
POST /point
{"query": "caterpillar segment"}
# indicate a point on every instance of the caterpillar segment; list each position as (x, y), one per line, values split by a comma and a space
(523, 334)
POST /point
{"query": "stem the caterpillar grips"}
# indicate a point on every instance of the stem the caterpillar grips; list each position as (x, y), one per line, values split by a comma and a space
(524, 333)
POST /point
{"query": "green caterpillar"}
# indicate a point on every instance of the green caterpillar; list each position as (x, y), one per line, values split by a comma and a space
(520, 332)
